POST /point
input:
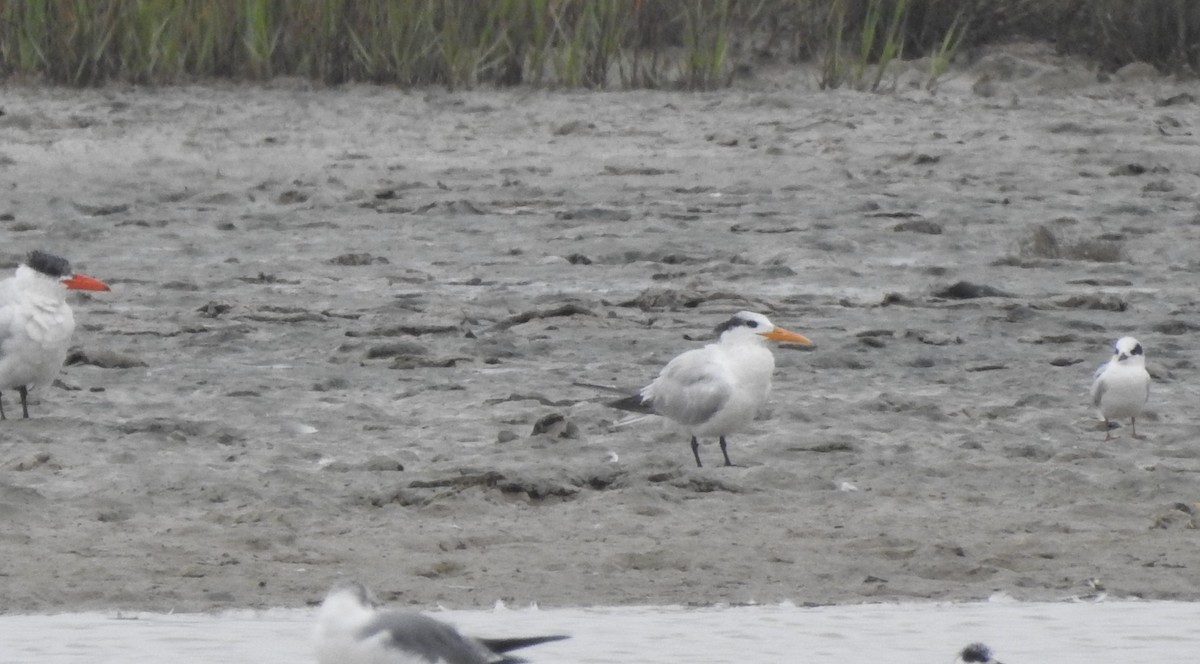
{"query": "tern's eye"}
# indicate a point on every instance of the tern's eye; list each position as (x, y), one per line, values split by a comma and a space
(751, 323)
(1137, 350)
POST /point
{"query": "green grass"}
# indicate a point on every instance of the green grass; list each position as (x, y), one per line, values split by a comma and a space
(691, 44)
(862, 62)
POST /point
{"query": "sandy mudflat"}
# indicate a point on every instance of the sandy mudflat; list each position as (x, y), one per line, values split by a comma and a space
(316, 287)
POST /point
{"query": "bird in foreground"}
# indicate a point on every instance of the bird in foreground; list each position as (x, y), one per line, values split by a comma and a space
(36, 322)
(718, 389)
(1122, 385)
(351, 630)
(976, 653)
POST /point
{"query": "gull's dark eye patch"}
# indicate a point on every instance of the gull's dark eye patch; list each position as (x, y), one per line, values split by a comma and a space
(1137, 350)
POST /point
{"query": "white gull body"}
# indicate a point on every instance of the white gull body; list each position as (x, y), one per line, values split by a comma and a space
(1122, 385)
(718, 389)
(350, 630)
(36, 323)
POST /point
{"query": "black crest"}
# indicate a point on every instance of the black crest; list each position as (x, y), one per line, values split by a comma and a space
(49, 264)
(735, 321)
(976, 652)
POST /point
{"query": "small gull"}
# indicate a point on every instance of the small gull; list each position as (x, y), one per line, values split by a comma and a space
(1122, 385)
(718, 389)
(352, 630)
(36, 323)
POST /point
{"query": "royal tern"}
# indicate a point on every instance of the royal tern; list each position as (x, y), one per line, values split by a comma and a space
(718, 389)
(1122, 385)
(350, 630)
(36, 322)
(976, 653)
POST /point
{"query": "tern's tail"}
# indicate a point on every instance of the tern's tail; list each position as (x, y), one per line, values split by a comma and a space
(633, 404)
(501, 646)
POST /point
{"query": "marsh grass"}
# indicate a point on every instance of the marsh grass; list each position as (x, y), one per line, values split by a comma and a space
(694, 44)
(862, 44)
(943, 54)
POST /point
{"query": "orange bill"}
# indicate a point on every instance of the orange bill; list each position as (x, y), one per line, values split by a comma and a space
(84, 282)
(780, 334)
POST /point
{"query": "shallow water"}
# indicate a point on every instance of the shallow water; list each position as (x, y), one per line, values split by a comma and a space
(1093, 632)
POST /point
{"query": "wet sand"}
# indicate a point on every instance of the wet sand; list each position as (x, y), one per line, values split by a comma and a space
(338, 315)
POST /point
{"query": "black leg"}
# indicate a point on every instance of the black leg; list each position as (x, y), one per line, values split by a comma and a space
(727, 461)
(2, 417)
(696, 451)
(24, 406)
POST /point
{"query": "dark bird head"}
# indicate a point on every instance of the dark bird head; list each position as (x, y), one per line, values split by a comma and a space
(59, 269)
(55, 267)
(749, 325)
(977, 653)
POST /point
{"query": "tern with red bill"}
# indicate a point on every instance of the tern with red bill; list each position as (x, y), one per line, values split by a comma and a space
(36, 322)
(718, 389)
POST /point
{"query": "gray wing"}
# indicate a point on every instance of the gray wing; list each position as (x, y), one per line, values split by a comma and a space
(1099, 385)
(6, 312)
(426, 638)
(691, 388)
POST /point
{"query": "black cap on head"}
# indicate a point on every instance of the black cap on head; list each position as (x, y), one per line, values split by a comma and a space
(49, 264)
(737, 320)
(976, 652)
